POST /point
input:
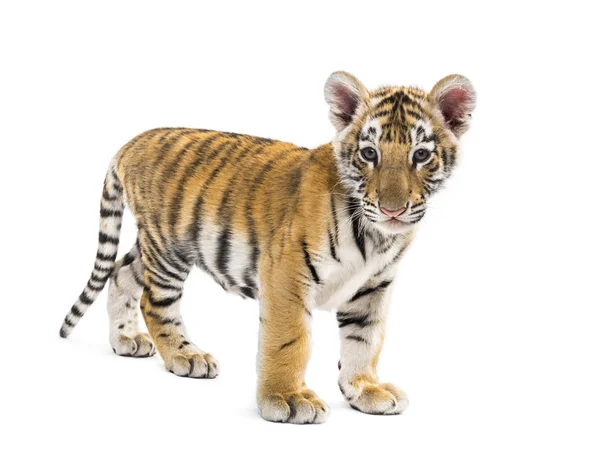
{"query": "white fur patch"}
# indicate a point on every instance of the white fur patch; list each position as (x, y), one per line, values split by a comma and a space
(209, 246)
(239, 258)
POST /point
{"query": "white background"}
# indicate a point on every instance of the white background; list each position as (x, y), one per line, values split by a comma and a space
(494, 331)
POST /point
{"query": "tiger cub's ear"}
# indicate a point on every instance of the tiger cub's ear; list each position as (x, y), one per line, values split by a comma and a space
(454, 96)
(344, 93)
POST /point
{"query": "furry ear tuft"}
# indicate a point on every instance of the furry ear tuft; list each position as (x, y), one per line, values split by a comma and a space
(344, 93)
(455, 98)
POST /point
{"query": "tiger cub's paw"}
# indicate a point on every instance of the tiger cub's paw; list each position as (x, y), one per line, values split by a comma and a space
(193, 365)
(139, 345)
(375, 398)
(295, 407)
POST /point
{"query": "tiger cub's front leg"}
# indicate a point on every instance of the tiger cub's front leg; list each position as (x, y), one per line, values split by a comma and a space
(284, 344)
(362, 328)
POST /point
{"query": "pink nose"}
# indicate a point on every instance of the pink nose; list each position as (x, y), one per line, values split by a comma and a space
(393, 213)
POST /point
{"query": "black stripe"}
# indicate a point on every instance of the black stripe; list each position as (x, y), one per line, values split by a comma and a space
(107, 212)
(357, 338)
(96, 278)
(359, 237)
(107, 197)
(85, 299)
(158, 318)
(434, 181)
(103, 269)
(367, 291)
(397, 256)
(332, 247)
(445, 159)
(115, 176)
(75, 311)
(94, 287)
(68, 322)
(223, 254)
(128, 259)
(249, 280)
(350, 319)
(357, 165)
(416, 212)
(287, 344)
(418, 218)
(106, 257)
(311, 267)
(247, 291)
(163, 285)
(166, 277)
(165, 302)
(335, 221)
(104, 238)
(434, 169)
(414, 114)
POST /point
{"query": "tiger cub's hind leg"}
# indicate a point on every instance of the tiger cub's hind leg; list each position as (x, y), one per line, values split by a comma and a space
(160, 303)
(124, 293)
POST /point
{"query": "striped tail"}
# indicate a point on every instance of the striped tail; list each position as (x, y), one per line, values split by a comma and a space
(111, 215)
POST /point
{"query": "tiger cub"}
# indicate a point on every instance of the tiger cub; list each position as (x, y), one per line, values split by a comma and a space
(295, 228)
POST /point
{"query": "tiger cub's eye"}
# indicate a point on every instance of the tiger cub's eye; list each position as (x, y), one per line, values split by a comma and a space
(421, 155)
(369, 154)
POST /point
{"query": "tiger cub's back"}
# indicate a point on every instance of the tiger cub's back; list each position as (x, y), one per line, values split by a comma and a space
(216, 199)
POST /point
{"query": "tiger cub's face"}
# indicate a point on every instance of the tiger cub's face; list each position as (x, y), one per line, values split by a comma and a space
(395, 147)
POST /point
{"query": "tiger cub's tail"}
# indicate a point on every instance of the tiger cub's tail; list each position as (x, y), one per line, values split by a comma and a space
(111, 215)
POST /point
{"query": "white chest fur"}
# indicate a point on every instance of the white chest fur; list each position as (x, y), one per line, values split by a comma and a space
(340, 280)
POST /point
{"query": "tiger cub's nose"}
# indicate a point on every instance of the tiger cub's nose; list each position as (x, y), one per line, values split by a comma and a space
(393, 213)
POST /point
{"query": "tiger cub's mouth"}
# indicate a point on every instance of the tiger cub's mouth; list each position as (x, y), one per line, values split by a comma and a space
(393, 226)
(394, 222)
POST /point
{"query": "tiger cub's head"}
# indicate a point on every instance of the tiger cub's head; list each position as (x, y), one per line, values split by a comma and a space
(395, 146)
